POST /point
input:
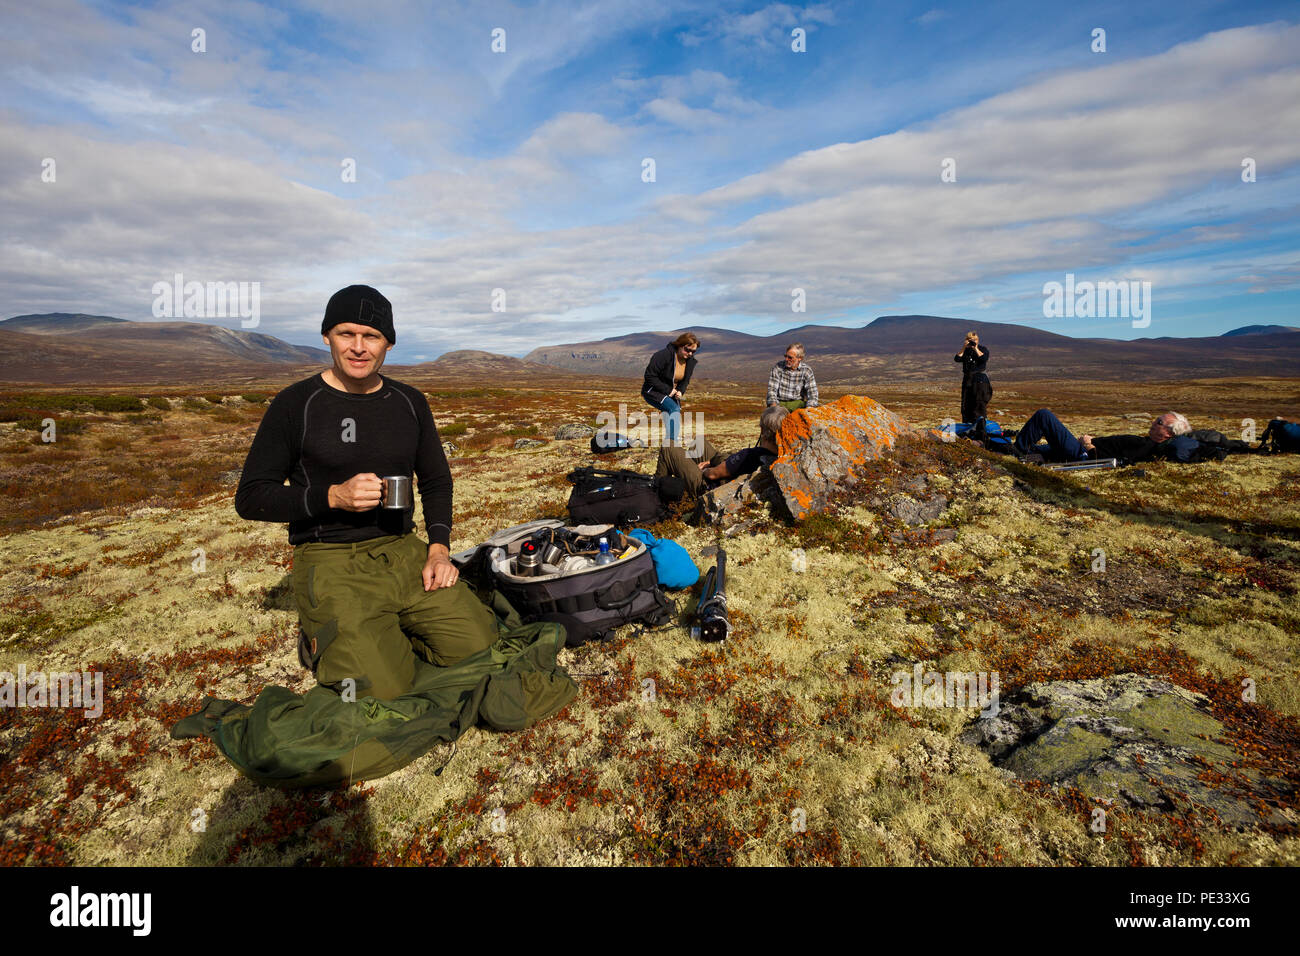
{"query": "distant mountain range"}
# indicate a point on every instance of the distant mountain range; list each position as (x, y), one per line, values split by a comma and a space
(919, 347)
(62, 348)
(1263, 329)
(65, 349)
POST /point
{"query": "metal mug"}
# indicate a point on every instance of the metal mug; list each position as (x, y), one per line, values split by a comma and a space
(397, 492)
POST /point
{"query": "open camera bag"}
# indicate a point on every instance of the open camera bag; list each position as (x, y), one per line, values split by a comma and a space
(589, 603)
(621, 498)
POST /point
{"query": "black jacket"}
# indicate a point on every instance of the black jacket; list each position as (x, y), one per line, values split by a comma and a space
(972, 362)
(1129, 447)
(659, 375)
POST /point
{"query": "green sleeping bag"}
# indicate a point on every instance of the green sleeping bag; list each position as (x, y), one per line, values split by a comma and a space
(318, 739)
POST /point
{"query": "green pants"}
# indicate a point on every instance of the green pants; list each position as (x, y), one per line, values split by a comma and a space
(793, 404)
(365, 615)
(674, 460)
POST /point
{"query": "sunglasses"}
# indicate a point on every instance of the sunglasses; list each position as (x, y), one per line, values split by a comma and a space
(690, 351)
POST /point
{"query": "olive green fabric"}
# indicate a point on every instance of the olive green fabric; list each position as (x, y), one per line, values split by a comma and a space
(365, 615)
(793, 404)
(674, 461)
(320, 739)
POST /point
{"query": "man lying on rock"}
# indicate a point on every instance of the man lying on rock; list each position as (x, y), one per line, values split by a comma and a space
(1169, 438)
(371, 595)
(711, 468)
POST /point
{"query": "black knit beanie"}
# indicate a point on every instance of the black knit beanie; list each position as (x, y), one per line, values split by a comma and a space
(362, 305)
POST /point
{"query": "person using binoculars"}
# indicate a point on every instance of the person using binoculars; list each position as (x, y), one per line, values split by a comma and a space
(976, 389)
(371, 595)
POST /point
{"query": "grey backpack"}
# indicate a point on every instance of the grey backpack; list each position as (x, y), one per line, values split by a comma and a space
(589, 602)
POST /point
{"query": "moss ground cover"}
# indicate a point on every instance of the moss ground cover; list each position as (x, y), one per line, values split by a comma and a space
(779, 747)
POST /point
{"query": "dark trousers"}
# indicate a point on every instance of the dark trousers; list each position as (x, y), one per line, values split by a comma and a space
(1061, 444)
(975, 394)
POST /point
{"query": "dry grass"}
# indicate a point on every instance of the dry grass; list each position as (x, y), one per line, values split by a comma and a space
(790, 720)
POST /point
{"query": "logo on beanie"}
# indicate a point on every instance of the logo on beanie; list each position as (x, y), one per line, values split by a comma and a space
(374, 313)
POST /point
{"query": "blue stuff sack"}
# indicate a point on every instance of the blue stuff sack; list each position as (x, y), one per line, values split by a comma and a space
(673, 564)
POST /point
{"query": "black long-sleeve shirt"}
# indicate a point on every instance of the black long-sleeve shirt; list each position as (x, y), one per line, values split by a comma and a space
(315, 436)
(972, 360)
(1134, 448)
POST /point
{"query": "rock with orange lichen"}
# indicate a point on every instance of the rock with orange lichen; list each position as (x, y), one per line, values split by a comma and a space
(821, 448)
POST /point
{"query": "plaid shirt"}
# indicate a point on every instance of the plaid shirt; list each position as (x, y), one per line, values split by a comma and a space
(786, 384)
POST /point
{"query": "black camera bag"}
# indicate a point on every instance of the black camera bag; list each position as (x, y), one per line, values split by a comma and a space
(622, 498)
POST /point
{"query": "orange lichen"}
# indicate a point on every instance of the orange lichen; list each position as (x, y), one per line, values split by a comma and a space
(847, 420)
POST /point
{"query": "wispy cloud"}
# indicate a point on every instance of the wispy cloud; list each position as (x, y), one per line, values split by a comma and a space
(524, 170)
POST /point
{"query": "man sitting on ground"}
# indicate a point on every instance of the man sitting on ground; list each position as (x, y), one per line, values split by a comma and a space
(371, 595)
(1167, 438)
(791, 382)
(711, 468)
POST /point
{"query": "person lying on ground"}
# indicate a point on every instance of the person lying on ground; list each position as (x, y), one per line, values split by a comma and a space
(1167, 438)
(791, 383)
(711, 468)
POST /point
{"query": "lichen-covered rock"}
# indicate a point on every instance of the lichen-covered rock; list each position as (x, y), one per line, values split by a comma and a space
(821, 447)
(913, 513)
(1131, 739)
(572, 431)
(529, 443)
(723, 502)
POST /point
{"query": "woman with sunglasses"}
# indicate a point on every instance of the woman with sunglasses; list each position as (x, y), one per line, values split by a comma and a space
(666, 377)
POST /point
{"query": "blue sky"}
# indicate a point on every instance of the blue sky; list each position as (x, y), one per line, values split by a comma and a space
(521, 170)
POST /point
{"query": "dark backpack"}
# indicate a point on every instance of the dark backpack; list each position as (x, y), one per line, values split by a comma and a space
(1216, 439)
(1280, 436)
(607, 441)
(621, 498)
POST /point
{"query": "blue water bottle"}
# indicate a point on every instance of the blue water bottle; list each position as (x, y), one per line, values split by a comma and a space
(604, 557)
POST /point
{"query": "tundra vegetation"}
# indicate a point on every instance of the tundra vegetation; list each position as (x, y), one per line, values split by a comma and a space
(123, 555)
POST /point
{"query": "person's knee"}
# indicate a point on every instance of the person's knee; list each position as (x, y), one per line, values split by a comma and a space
(368, 665)
(451, 626)
(664, 466)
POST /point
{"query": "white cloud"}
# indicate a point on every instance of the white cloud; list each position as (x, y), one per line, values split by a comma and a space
(1064, 174)
(679, 114)
(1039, 171)
(764, 29)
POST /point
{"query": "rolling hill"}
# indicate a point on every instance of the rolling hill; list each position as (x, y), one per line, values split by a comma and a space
(60, 349)
(903, 348)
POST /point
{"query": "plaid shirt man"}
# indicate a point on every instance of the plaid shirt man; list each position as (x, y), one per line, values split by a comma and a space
(786, 384)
